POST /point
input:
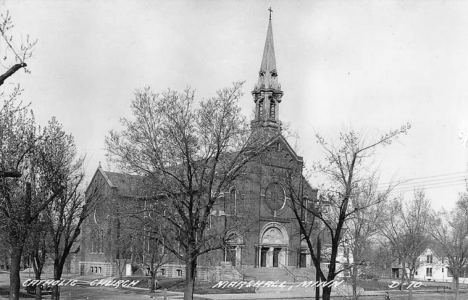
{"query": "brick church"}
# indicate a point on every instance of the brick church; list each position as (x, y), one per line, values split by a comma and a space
(273, 243)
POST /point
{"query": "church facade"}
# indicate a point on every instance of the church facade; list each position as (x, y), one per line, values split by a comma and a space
(274, 241)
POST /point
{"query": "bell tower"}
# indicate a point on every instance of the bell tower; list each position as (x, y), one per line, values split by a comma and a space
(267, 92)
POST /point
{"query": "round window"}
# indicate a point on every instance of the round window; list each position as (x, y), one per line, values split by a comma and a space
(274, 197)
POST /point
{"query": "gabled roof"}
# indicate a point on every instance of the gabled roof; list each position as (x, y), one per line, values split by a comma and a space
(123, 184)
(284, 142)
(433, 253)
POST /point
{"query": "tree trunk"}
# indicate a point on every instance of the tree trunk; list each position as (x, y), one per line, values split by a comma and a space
(326, 293)
(190, 268)
(15, 280)
(38, 264)
(456, 283)
(38, 291)
(403, 276)
(152, 287)
(38, 272)
(410, 279)
(354, 278)
(57, 276)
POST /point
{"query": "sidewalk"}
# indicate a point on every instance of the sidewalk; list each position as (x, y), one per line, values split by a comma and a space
(282, 295)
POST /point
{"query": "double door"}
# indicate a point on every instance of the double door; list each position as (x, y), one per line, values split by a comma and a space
(269, 260)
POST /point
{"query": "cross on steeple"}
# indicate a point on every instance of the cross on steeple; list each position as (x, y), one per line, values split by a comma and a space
(270, 11)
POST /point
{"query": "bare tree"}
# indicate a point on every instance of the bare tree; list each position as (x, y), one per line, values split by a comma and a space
(23, 152)
(191, 155)
(346, 168)
(362, 227)
(451, 234)
(406, 229)
(15, 55)
(153, 256)
(67, 212)
(39, 249)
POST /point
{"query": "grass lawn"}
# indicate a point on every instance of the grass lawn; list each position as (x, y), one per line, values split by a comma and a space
(178, 285)
(383, 285)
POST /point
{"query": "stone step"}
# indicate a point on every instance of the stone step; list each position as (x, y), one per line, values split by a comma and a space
(280, 273)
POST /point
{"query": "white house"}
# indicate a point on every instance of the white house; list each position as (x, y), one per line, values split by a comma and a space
(434, 268)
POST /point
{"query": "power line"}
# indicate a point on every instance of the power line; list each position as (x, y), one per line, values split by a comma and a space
(427, 182)
(418, 178)
(429, 187)
(442, 181)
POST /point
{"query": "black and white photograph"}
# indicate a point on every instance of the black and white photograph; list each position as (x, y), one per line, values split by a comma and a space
(234, 149)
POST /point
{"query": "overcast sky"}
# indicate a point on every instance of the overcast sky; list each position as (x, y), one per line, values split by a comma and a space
(368, 65)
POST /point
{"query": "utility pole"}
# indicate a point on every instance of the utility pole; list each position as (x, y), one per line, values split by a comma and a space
(317, 270)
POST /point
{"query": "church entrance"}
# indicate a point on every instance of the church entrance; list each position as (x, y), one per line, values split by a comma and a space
(276, 252)
(274, 246)
(263, 258)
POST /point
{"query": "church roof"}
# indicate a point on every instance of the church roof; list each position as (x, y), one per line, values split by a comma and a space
(126, 184)
(123, 184)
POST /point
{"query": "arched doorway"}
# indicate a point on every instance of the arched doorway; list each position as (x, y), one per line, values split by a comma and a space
(233, 250)
(274, 242)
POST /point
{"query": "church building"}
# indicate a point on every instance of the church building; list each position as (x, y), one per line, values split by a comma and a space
(274, 242)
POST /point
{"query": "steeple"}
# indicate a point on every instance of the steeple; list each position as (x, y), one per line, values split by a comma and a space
(267, 92)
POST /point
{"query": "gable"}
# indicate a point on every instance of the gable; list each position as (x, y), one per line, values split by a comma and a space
(100, 181)
(278, 153)
(429, 251)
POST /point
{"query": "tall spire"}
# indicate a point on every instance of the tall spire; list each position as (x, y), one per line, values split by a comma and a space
(268, 74)
(267, 92)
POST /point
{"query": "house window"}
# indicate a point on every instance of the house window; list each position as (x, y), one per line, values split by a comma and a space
(415, 272)
(163, 272)
(442, 270)
(429, 259)
(179, 273)
(429, 272)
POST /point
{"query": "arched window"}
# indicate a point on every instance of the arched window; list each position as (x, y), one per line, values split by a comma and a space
(260, 109)
(272, 108)
(233, 249)
(233, 201)
(99, 241)
(93, 242)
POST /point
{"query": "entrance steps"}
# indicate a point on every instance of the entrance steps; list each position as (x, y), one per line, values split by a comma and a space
(289, 274)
